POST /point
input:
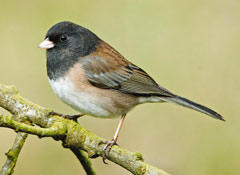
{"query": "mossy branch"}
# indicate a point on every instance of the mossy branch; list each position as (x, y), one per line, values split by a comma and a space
(13, 153)
(72, 134)
(86, 163)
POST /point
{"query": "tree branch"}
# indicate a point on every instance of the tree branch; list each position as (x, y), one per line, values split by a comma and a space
(86, 163)
(13, 154)
(71, 134)
(53, 131)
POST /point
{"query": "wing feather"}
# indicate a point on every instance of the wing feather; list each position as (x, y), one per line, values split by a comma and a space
(127, 78)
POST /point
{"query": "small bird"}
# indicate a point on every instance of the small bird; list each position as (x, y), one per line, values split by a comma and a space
(92, 77)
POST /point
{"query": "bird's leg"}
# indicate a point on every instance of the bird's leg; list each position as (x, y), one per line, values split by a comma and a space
(70, 117)
(112, 142)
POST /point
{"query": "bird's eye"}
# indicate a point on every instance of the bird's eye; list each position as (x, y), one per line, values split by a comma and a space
(63, 38)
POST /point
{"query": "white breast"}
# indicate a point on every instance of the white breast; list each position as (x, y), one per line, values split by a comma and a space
(82, 101)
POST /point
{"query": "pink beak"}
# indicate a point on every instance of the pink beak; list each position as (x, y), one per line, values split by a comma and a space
(46, 44)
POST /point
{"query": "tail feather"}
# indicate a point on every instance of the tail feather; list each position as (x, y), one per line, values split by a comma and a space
(190, 104)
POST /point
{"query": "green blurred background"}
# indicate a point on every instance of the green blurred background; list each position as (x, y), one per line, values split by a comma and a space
(190, 47)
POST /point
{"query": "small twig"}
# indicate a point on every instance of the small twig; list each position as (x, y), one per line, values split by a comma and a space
(56, 130)
(12, 154)
(85, 161)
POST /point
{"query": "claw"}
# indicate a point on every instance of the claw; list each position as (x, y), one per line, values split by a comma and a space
(70, 117)
(73, 117)
(107, 148)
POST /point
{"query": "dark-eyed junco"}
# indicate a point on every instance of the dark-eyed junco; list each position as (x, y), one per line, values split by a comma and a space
(92, 77)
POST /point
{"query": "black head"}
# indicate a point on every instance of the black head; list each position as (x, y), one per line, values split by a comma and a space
(67, 35)
(66, 43)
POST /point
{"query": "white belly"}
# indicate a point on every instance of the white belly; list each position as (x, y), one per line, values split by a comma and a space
(83, 101)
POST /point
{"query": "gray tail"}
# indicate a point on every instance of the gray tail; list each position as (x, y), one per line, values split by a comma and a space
(190, 104)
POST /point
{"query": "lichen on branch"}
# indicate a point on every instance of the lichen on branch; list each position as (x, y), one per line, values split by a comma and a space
(13, 153)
